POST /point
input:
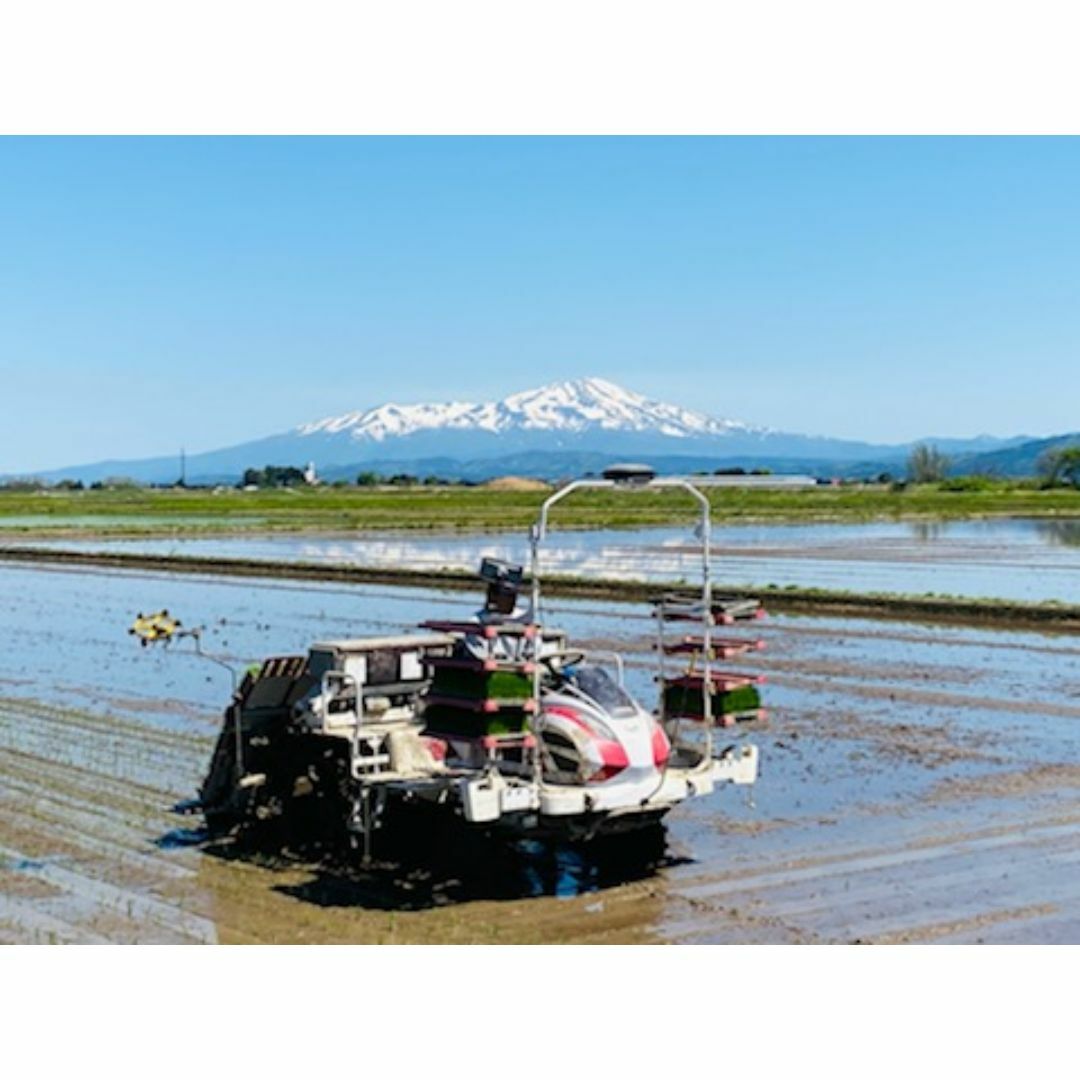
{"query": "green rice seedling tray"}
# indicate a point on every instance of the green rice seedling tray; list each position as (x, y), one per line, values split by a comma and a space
(480, 684)
(689, 702)
(448, 720)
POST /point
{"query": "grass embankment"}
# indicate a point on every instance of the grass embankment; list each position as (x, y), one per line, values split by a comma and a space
(142, 512)
(1049, 614)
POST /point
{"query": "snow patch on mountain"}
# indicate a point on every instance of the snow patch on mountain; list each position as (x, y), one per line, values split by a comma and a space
(573, 406)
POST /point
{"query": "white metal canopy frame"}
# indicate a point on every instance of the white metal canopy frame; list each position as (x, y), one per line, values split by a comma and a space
(643, 478)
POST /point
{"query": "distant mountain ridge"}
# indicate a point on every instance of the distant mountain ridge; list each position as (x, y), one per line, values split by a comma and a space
(1014, 460)
(550, 431)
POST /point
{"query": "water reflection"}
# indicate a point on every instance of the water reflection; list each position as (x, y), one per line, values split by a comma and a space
(929, 531)
(1016, 559)
(1059, 532)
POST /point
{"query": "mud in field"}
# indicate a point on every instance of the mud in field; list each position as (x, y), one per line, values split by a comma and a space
(918, 784)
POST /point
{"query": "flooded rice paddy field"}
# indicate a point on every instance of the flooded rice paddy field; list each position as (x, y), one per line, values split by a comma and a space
(919, 783)
(1014, 559)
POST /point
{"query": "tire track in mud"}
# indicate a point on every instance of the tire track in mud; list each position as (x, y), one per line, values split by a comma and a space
(1044, 924)
(81, 806)
(166, 921)
(105, 800)
(22, 924)
(130, 758)
(915, 918)
(843, 866)
(911, 892)
(914, 634)
(66, 823)
(98, 873)
(934, 698)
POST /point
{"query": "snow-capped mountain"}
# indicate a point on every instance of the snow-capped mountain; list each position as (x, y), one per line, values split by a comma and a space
(573, 407)
(561, 429)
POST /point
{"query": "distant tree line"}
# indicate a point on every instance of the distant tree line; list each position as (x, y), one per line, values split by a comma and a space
(279, 476)
(374, 479)
(32, 484)
(274, 476)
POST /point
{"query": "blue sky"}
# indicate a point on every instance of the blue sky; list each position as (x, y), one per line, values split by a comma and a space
(208, 291)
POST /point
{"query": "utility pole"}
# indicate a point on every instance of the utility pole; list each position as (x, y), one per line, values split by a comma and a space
(183, 468)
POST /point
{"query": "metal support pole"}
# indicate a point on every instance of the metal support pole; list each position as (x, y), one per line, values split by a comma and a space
(539, 534)
(706, 602)
(196, 636)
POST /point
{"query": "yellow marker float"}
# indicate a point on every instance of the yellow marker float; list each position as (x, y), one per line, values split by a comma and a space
(160, 626)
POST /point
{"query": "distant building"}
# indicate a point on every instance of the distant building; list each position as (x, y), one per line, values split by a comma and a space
(310, 476)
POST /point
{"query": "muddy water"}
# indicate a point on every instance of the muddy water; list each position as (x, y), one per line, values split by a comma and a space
(1016, 559)
(919, 783)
